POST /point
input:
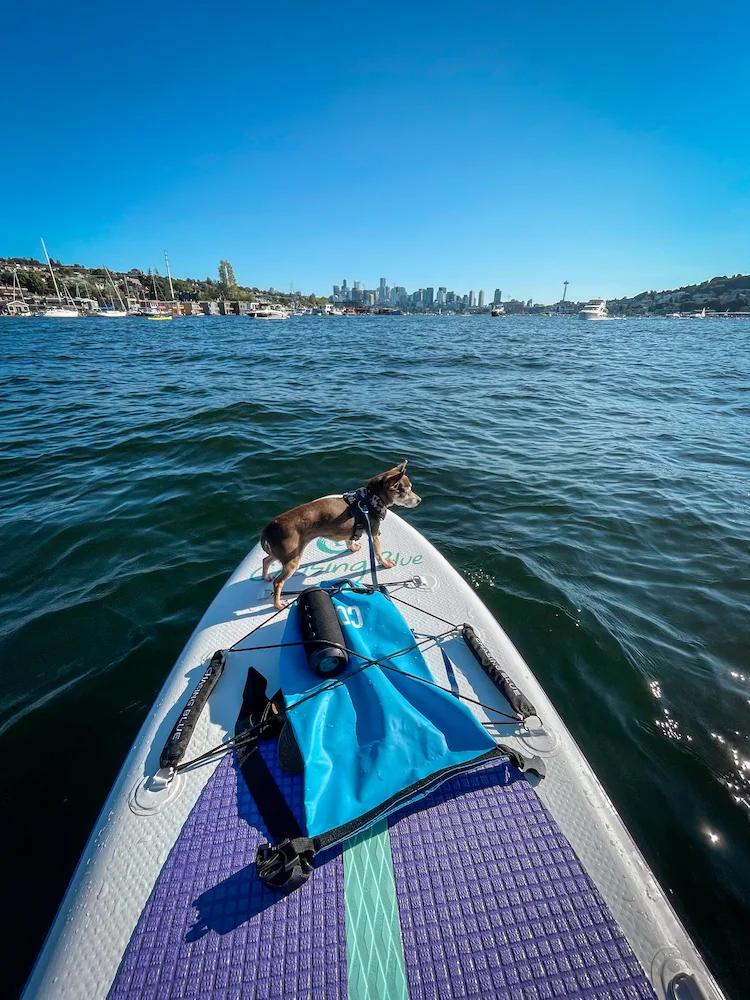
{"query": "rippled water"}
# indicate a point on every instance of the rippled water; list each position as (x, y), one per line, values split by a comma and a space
(591, 480)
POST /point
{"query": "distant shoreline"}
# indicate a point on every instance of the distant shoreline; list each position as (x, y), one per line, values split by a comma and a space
(727, 296)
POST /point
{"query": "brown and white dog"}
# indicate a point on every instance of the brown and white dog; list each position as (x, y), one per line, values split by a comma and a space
(286, 536)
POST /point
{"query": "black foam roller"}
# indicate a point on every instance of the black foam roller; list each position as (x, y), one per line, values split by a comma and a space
(321, 632)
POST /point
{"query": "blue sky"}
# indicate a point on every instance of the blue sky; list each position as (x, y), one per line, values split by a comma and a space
(473, 145)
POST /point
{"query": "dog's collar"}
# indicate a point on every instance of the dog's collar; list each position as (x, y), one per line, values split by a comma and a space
(356, 500)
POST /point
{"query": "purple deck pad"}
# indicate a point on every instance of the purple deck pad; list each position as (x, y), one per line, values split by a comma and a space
(493, 901)
(211, 931)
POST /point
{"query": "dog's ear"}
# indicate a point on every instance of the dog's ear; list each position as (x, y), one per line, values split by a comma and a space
(392, 476)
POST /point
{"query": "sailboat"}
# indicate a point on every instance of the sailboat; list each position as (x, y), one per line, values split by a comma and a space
(111, 312)
(61, 311)
(154, 312)
(18, 306)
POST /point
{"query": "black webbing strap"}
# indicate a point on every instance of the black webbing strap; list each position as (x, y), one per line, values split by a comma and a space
(288, 865)
(360, 520)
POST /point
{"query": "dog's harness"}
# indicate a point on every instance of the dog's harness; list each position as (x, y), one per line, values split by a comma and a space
(363, 503)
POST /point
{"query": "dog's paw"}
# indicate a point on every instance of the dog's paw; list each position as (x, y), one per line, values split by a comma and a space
(354, 546)
(387, 563)
(267, 577)
(280, 605)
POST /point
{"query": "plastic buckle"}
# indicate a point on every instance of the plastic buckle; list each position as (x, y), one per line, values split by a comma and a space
(526, 765)
(286, 866)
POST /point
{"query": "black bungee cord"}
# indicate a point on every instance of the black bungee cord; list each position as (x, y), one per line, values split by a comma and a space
(236, 742)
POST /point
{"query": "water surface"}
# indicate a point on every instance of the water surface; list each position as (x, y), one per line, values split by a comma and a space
(592, 481)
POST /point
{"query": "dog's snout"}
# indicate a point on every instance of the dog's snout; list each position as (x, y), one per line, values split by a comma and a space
(414, 499)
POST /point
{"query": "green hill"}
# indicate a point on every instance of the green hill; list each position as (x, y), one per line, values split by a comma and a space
(721, 294)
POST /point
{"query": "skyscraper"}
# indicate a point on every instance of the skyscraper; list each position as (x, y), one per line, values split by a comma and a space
(441, 295)
(472, 299)
(381, 292)
(498, 297)
(429, 298)
(481, 298)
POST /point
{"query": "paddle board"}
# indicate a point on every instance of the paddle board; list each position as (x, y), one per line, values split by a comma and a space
(527, 890)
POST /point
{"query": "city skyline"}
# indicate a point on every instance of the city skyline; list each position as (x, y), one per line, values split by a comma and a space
(397, 296)
(426, 298)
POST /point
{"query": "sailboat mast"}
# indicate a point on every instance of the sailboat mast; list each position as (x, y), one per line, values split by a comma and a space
(117, 290)
(156, 291)
(49, 264)
(17, 289)
(169, 275)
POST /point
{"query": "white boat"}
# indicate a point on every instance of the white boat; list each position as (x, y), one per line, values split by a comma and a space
(65, 307)
(498, 310)
(156, 309)
(111, 311)
(518, 871)
(268, 312)
(594, 309)
(59, 312)
(18, 306)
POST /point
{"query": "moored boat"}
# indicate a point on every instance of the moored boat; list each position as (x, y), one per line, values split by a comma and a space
(64, 307)
(268, 312)
(111, 311)
(18, 306)
(59, 312)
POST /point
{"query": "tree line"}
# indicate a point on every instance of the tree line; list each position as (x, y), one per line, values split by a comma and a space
(185, 289)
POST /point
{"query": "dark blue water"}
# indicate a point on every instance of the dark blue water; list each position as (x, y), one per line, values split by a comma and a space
(592, 481)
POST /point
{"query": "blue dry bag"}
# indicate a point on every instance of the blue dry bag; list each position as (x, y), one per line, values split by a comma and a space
(373, 739)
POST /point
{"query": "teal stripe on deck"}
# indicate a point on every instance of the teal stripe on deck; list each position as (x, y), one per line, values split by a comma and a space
(375, 954)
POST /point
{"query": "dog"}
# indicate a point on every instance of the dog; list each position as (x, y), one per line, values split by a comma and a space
(286, 536)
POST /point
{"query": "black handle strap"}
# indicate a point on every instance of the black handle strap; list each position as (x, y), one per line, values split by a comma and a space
(513, 694)
(179, 738)
(287, 865)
